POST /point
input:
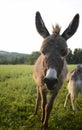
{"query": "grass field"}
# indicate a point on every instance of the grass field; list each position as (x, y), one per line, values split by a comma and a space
(17, 102)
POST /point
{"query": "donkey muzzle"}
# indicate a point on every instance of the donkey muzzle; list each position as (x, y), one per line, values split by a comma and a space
(51, 78)
(50, 83)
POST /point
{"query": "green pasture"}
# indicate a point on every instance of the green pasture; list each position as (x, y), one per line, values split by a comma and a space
(17, 102)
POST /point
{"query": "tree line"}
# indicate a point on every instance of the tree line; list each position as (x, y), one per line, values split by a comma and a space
(18, 58)
(73, 57)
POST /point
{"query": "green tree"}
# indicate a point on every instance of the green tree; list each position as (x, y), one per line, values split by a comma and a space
(77, 56)
(32, 57)
(69, 57)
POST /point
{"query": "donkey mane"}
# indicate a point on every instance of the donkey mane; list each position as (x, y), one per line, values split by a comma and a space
(56, 29)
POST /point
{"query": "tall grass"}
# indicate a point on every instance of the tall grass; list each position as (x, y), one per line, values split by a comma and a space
(17, 102)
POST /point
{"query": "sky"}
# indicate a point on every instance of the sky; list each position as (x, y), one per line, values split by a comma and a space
(17, 23)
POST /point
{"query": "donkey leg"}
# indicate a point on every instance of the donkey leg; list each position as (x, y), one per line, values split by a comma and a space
(66, 100)
(43, 104)
(48, 109)
(37, 101)
(73, 103)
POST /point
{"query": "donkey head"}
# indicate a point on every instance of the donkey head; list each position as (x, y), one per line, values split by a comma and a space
(54, 47)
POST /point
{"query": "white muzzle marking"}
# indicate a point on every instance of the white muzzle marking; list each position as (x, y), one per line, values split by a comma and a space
(51, 73)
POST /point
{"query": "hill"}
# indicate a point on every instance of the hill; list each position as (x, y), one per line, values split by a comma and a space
(11, 54)
(18, 58)
(11, 57)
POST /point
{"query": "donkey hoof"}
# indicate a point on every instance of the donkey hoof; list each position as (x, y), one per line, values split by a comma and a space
(75, 111)
(44, 127)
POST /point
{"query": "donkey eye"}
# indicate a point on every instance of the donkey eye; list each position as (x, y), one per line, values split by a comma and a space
(63, 52)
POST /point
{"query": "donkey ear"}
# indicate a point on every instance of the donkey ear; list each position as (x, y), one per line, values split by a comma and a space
(71, 29)
(40, 26)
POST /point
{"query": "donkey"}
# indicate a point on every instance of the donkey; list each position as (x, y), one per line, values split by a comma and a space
(74, 79)
(50, 68)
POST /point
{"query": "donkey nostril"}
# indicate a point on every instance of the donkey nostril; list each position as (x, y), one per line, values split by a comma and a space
(46, 80)
(55, 80)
